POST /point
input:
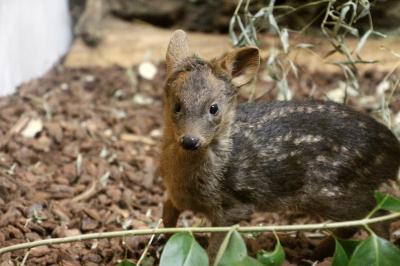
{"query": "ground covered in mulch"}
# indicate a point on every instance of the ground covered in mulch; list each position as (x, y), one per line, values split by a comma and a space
(78, 154)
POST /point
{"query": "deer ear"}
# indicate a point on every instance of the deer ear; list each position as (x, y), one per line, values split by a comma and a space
(242, 64)
(178, 49)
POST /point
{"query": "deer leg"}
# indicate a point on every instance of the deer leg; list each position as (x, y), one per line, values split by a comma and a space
(327, 246)
(170, 214)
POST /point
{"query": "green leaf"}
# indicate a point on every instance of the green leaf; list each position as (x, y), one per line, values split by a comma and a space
(248, 261)
(387, 202)
(233, 250)
(223, 246)
(183, 250)
(340, 257)
(126, 262)
(147, 261)
(349, 245)
(273, 258)
(375, 251)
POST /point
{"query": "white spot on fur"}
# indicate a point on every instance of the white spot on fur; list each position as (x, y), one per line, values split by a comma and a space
(321, 158)
(282, 157)
(362, 125)
(379, 159)
(288, 136)
(307, 139)
(328, 192)
(344, 149)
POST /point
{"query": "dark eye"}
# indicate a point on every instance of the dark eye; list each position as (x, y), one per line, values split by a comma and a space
(177, 108)
(214, 109)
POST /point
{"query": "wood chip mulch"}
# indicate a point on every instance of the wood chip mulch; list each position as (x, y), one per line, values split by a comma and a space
(79, 154)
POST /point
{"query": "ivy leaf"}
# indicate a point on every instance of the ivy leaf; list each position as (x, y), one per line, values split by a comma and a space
(183, 250)
(349, 245)
(340, 257)
(248, 261)
(126, 262)
(387, 202)
(273, 258)
(375, 251)
(232, 251)
(147, 261)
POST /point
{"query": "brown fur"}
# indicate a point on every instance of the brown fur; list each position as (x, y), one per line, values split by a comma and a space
(318, 157)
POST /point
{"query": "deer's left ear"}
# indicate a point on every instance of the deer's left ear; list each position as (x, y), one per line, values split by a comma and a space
(242, 64)
(178, 50)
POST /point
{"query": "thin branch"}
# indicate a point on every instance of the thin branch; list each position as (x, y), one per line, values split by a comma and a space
(87, 194)
(148, 245)
(25, 258)
(244, 229)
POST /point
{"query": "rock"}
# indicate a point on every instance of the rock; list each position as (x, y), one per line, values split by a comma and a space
(33, 127)
(140, 99)
(147, 70)
(338, 94)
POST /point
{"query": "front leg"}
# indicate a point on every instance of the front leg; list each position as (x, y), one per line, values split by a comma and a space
(170, 214)
(227, 217)
(214, 245)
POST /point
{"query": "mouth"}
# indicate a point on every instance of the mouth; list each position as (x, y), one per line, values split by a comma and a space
(191, 148)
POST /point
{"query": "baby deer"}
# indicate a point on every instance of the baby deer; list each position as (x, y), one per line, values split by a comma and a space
(227, 160)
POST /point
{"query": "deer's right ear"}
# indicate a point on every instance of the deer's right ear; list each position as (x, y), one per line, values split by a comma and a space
(241, 64)
(178, 50)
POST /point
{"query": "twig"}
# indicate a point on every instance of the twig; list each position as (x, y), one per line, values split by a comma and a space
(148, 245)
(90, 192)
(25, 258)
(15, 129)
(244, 229)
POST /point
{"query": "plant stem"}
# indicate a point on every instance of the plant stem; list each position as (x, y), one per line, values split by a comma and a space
(244, 229)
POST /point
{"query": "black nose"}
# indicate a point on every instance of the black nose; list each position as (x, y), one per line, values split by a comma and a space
(190, 143)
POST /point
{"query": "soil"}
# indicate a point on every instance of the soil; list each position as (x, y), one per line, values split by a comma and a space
(79, 154)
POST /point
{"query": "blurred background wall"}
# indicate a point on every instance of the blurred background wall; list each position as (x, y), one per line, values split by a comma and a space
(33, 36)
